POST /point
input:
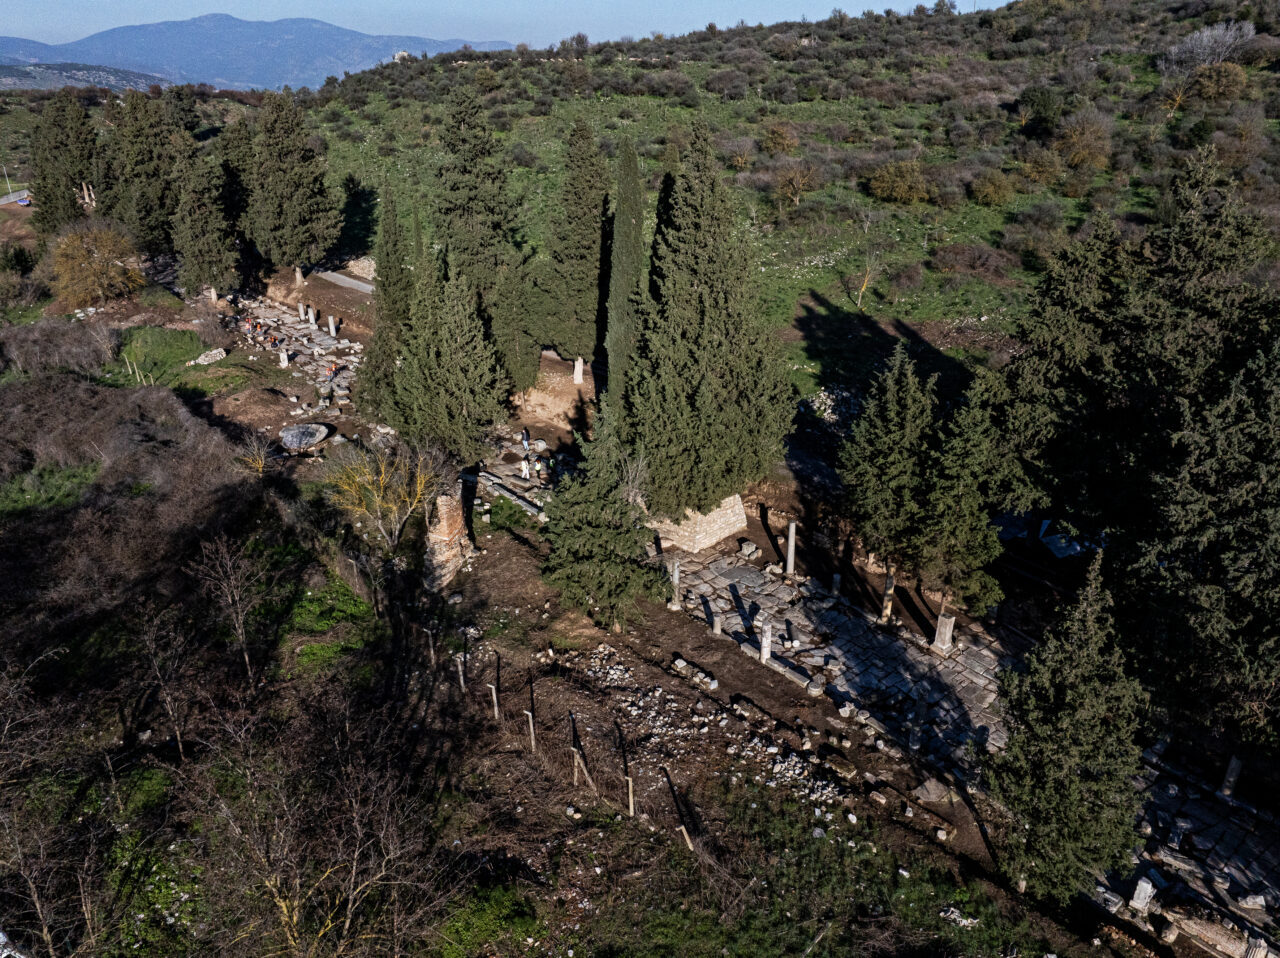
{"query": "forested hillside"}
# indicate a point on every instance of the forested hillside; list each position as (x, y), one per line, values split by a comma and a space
(985, 302)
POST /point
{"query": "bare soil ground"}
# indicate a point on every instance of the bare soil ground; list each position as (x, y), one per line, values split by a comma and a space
(556, 407)
(623, 693)
(15, 225)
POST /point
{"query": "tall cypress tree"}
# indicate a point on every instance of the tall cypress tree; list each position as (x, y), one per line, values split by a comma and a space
(473, 221)
(710, 401)
(596, 529)
(235, 151)
(62, 153)
(626, 282)
(142, 193)
(1065, 777)
(882, 463)
(1120, 333)
(450, 387)
(393, 299)
(473, 214)
(957, 538)
(1213, 573)
(576, 248)
(202, 235)
(295, 218)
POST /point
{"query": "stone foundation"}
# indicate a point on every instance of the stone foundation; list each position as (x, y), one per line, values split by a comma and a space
(448, 546)
(702, 530)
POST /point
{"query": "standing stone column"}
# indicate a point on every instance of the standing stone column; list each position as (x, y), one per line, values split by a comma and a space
(766, 642)
(886, 610)
(284, 359)
(333, 330)
(674, 604)
(791, 547)
(302, 313)
(577, 371)
(213, 295)
(1142, 896)
(1229, 780)
(717, 624)
(942, 636)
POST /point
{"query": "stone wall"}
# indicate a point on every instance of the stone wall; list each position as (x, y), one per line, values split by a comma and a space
(702, 530)
(448, 546)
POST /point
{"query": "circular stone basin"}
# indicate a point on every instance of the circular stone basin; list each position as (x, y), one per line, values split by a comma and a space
(303, 436)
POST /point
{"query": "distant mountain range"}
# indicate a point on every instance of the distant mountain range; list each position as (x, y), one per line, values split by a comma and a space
(227, 52)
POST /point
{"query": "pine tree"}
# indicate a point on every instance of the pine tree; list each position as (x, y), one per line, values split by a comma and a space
(1213, 573)
(450, 389)
(596, 529)
(626, 283)
(62, 155)
(710, 401)
(202, 236)
(1065, 777)
(957, 538)
(576, 249)
(393, 300)
(295, 218)
(882, 462)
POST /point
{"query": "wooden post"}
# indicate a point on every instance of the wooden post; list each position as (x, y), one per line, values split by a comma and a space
(580, 763)
(533, 741)
(493, 689)
(631, 797)
(462, 678)
(687, 840)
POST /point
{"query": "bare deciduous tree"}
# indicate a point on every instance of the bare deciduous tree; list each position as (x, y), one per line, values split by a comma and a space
(385, 487)
(237, 583)
(166, 648)
(1207, 46)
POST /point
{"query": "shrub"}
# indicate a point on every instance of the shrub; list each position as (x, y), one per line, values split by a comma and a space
(900, 182)
(93, 263)
(1043, 166)
(973, 259)
(1205, 47)
(1084, 140)
(729, 84)
(1220, 81)
(779, 138)
(992, 188)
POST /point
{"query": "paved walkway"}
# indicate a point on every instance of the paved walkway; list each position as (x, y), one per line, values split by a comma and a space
(340, 279)
(942, 707)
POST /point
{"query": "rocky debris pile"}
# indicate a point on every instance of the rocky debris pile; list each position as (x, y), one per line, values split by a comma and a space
(524, 478)
(328, 362)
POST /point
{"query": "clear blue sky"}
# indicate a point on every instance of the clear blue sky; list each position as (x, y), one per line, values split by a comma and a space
(537, 22)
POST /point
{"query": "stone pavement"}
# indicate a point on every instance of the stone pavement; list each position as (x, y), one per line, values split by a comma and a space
(1202, 850)
(942, 707)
